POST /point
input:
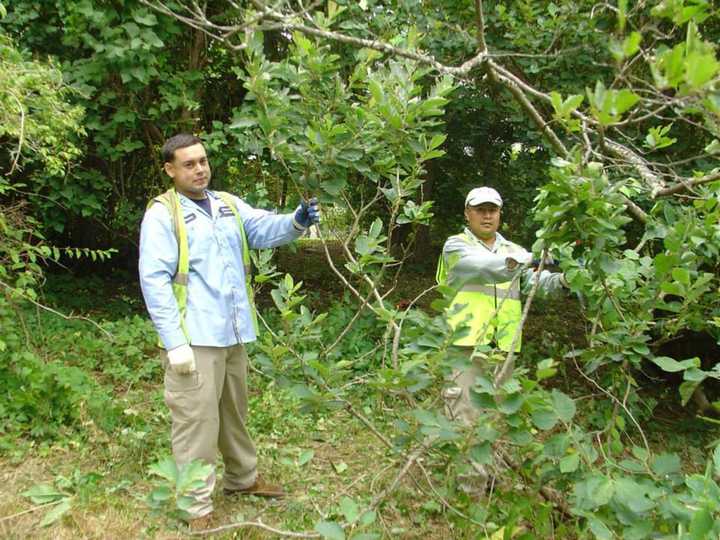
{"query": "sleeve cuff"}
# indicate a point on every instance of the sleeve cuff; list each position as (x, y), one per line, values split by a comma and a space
(174, 340)
(297, 226)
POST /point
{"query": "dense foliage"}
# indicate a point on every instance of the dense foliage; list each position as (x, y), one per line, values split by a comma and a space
(603, 118)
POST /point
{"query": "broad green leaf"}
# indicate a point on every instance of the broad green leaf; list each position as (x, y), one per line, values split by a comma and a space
(511, 404)
(701, 524)
(544, 419)
(43, 494)
(631, 45)
(687, 389)
(599, 529)
(55, 513)
(350, 509)
(241, 123)
(700, 69)
(482, 453)
(633, 495)
(665, 464)
(624, 100)
(437, 140)
(143, 16)
(673, 366)
(563, 405)
(161, 493)
(569, 463)
(330, 530)
(305, 456)
(681, 275)
(367, 518)
(192, 475)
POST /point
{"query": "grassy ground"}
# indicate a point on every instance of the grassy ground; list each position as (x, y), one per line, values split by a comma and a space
(106, 475)
(108, 480)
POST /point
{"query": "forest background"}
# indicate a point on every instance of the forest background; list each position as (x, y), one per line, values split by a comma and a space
(598, 122)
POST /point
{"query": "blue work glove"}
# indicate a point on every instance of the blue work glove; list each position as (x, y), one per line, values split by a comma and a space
(308, 213)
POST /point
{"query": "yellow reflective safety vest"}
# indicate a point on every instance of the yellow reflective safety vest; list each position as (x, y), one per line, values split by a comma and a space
(171, 201)
(490, 311)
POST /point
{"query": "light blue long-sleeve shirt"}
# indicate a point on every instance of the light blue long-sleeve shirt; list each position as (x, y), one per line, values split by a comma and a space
(218, 310)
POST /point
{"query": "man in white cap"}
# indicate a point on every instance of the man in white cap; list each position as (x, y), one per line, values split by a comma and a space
(488, 273)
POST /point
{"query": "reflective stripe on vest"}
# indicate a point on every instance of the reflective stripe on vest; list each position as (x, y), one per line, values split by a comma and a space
(171, 201)
(474, 305)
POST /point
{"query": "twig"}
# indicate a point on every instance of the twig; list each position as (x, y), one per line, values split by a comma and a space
(259, 525)
(445, 503)
(21, 138)
(409, 463)
(687, 184)
(30, 510)
(509, 364)
(616, 400)
(51, 310)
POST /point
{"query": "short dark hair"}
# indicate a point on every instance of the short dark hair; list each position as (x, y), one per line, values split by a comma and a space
(181, 140)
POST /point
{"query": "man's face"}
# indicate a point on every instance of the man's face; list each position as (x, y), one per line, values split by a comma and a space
(190, 171)
(483, 220)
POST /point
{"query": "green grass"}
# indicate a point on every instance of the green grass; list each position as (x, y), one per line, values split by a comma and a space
(104, 468)
(347, 461)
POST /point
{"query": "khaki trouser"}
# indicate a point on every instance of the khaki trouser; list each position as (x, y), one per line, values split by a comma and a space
(209, 409)
(458, 406)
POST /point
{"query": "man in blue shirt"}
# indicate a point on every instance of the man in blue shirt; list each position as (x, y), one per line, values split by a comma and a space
(204, 335)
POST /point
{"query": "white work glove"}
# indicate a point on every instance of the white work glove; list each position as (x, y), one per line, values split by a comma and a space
(182, 359)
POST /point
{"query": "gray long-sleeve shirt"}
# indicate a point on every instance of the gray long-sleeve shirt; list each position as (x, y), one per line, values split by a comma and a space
(476, 263)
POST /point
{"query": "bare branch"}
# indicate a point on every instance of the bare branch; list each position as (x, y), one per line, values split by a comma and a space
(51, 310)
(259, 525)
(518, 93)
(688, 184)
(509, 365)
(21, 138)
(651, 179)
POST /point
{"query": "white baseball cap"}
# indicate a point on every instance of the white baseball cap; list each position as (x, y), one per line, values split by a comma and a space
(481, 195)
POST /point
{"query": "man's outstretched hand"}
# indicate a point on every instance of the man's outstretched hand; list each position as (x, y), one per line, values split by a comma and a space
(308, 213)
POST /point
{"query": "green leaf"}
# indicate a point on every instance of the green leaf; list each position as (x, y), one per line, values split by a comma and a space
(544, 419)
(570, 463)
(563, 406)
(701, 524)
(143, 16)
(192, 475)
(716, 460)
(624, 100)
(367, 518)
(687, 389)
(437, 140)
(305, 456)
(43, 494)
(482, 453)
(55, 513)
(673, 366)
(700, 69)
(631, 45)
(350, 509)
(666, 464)
(681, 275)
(599, 529)
(330, 530)
(161, 493)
